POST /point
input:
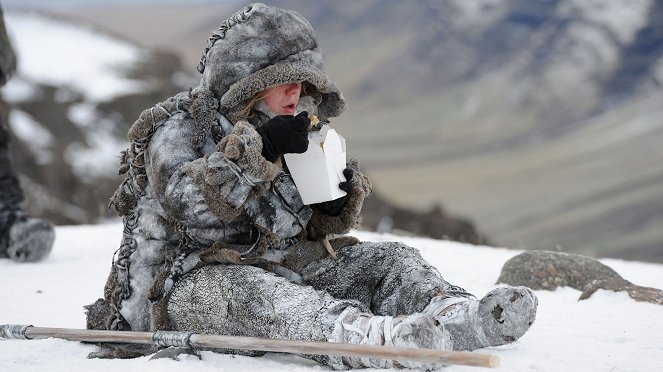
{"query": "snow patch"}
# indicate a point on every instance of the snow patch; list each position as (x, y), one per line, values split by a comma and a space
(590, 49)
(480, 11)
(33, 134)
(83, 115)
(62, 53)
(624, 18)
(18, 90)
(98, 156)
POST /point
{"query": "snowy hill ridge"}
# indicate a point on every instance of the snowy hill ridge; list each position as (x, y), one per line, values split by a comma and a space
(76, 90)
(608, 332)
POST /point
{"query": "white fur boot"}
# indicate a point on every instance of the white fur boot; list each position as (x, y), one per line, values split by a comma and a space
(502, 316)
(412, 331)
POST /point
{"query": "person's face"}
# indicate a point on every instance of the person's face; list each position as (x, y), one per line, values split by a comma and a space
(283, 99)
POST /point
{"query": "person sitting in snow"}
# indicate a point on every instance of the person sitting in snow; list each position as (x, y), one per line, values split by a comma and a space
(217, 239)
(22, 238)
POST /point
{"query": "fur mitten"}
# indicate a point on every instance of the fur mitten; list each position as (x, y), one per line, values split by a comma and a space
(244, 147)
(322, 224)
(227, 177)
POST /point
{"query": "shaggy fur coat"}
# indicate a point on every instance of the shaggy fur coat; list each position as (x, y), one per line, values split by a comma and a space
(197, 190)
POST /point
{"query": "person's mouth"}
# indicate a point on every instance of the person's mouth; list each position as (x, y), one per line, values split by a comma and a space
(290, 108)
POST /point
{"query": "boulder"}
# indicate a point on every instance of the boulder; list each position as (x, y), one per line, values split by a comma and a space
(636, 292)
(549, 270)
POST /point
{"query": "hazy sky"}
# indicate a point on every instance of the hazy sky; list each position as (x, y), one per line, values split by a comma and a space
(43, 4)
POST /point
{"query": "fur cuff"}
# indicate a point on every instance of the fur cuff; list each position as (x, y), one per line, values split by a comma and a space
(227, 178)
(244, 147)
(322, 225)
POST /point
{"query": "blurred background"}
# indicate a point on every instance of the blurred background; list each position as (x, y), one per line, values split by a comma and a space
(521, 124)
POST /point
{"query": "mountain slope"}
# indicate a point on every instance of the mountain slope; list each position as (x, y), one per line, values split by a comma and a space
(538, 120)
(69, 107)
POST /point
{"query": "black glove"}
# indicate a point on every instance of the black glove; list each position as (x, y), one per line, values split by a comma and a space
(284, 134)
(333, 207)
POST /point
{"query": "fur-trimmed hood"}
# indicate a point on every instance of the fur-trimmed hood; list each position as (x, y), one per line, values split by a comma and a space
(261, 47)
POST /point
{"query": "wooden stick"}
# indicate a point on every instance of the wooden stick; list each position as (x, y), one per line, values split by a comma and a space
(195, 340)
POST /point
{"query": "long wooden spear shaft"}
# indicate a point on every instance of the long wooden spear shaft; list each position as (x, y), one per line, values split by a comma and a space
(199, 340)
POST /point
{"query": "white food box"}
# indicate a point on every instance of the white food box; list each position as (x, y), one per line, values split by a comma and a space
(319, 170)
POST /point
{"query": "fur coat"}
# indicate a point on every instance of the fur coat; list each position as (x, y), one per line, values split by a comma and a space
(197, 189)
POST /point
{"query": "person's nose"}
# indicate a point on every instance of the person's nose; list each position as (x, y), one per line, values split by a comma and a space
(293, 88)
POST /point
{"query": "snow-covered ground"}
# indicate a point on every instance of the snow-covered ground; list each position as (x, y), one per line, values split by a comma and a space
(608, 332)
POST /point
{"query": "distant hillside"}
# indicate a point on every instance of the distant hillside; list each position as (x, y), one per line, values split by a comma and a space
(69, 107)
(540, 120)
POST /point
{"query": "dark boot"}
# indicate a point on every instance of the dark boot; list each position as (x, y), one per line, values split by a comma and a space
(25, 239)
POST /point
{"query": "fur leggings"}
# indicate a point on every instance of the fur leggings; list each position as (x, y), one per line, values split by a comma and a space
(383, 278)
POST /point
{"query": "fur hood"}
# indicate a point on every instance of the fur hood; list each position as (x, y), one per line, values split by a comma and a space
(261, 47)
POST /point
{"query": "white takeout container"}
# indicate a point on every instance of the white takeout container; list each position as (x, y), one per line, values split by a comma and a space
(319, 170)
